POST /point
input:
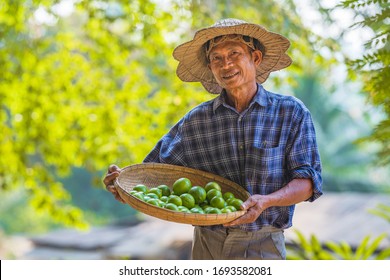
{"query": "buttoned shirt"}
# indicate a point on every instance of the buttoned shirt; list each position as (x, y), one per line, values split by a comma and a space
(263, 148)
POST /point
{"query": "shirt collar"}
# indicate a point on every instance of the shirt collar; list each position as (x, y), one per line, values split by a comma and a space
(260, 98)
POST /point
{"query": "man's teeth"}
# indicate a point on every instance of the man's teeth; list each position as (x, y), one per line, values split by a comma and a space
(231, 75)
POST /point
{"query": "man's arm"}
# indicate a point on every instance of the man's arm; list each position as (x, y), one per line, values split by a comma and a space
(296, 191)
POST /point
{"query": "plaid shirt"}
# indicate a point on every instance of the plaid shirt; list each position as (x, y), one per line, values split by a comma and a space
(262, 148)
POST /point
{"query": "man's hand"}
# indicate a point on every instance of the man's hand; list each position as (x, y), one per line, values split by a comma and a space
(112, 174)
(294, 192)
(253, 206)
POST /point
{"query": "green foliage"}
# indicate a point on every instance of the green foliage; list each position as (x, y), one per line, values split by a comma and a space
(382, 211)
(304, 249)
(374, 67)
(366, 249)
(346, 165)
(14, 206)
(85, 91)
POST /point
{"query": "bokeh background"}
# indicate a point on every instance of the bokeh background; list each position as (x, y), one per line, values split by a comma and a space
(84, 84)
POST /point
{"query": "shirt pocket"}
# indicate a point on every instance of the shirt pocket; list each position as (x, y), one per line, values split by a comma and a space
(267, 166)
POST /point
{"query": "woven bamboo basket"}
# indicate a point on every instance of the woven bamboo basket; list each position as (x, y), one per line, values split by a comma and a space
(155, 174)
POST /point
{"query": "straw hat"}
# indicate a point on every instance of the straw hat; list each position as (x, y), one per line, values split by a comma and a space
(192, 57)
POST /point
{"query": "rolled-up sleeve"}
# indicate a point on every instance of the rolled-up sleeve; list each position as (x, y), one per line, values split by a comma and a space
(303, 158)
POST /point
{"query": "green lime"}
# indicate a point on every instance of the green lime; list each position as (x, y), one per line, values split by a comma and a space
(156, 191)
(205, 207)
(236, 203)
(187, 200)
(228, 195)
(152, 195)
(212, 185)
(139, 195)
(197, 210)
(171, 206)
(141, 188)
(154, 202)
(166, 191)
(182, 185)
(231, 208)
(175, 200)
(213, 210)
(218, 202)
(213, 192)
(198, 193)
(229, 200)
(183, 209)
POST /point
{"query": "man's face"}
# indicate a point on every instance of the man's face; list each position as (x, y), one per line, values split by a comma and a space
(233, 64)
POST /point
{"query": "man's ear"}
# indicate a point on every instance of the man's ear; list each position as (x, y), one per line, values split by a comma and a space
(257, 56)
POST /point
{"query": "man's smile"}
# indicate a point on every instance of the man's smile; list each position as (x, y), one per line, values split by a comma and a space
(230, 75)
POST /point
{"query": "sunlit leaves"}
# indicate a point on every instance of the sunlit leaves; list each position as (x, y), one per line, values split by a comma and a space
(311, 249)
(374, 66)
(91, 89)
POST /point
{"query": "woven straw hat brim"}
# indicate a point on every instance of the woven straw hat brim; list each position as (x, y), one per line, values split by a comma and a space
(193, 63)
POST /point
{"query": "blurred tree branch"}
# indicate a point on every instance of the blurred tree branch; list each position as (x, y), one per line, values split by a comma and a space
(374, 67)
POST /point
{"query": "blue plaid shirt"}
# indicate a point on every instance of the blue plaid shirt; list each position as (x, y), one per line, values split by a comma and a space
(262, 148)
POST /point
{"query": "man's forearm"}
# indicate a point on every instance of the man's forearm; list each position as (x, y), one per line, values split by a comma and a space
(296, 191)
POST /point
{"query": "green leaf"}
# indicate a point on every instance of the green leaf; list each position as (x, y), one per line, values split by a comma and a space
(362, 249)
(369, 251)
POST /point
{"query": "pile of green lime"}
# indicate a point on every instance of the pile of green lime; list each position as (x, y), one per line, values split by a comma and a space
(184, 197)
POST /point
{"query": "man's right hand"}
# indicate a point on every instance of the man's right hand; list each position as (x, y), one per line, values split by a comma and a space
(112, 173)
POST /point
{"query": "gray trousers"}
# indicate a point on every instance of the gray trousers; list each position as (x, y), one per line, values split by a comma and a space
(235, 244)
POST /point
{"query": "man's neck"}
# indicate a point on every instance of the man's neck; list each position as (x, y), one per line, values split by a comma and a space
(240, 98)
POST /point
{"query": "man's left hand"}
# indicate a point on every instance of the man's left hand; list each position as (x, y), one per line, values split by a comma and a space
(253, 206)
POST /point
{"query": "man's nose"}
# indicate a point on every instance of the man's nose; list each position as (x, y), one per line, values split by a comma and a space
(226, 62)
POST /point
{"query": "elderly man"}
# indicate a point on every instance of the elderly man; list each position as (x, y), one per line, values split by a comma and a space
(263, 141)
